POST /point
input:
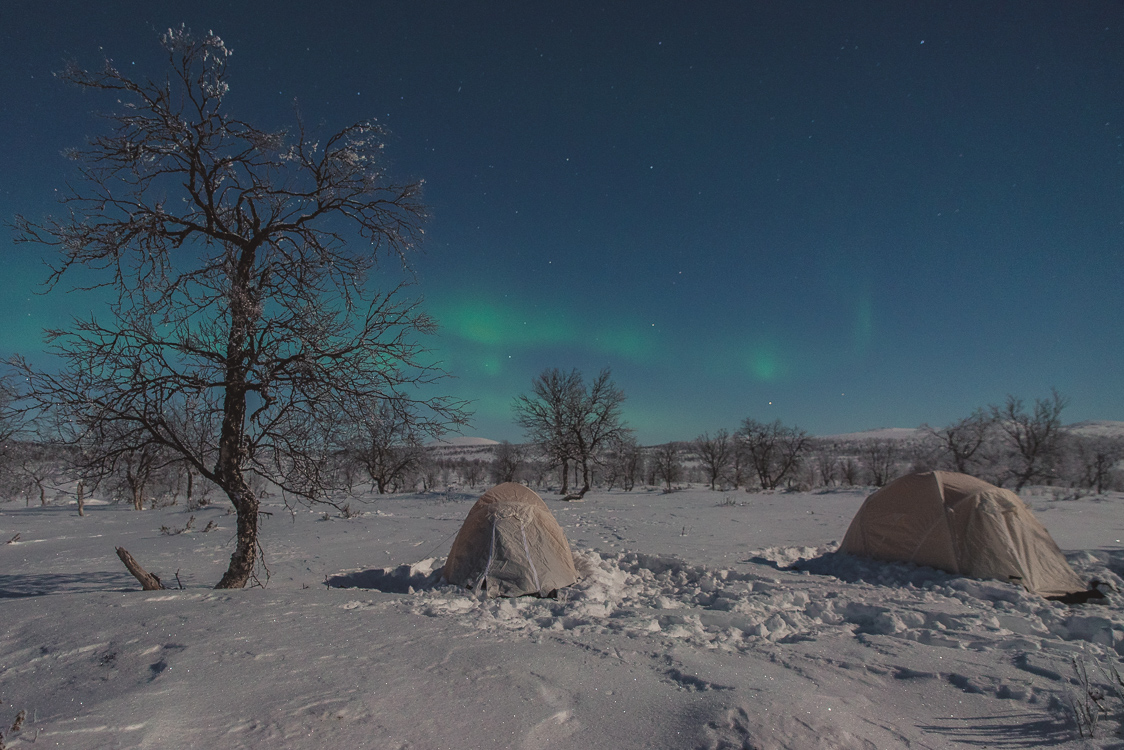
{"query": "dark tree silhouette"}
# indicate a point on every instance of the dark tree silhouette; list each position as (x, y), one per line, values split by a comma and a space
(571, 423)
(961, 441)
(1033, 438)
(623, 462)
(667, 464)
(1096, 459)
(544, 416)
(388, 448)
(242, 333)
(715, 454)
(506, 462)
(775, 451)
(881, 459)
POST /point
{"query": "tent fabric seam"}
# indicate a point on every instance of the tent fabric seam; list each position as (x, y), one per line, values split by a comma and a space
(491, 557)
(527, 550)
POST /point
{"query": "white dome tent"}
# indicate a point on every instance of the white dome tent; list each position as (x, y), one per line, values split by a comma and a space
(965, 526)
(511, 545)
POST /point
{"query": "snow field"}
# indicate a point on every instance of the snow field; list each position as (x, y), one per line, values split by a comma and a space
(698, 623)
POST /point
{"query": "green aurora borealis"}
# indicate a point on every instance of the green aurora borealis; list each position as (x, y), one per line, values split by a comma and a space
(842, 215)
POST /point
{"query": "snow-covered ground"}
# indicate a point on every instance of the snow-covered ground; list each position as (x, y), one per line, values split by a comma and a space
(704, 620)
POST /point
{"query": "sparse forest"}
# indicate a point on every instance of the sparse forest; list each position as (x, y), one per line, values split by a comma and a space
(756, 457)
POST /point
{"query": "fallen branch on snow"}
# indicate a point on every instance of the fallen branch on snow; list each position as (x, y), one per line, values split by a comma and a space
(148, 581)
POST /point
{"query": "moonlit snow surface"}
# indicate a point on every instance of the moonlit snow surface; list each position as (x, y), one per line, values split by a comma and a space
(703, 620)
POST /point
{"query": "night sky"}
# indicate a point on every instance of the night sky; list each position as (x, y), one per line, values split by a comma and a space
(842, 215)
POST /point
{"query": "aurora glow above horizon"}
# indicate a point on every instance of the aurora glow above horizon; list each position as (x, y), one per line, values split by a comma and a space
(844, 216)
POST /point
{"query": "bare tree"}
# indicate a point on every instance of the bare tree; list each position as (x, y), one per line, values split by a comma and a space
(349, 468)
(624, 463)
(238, 260)
(536, 467)
(715, 454)
(739, 461)
(881, 459)
(12, 422)
(473, 471)
(633, 463)
(506, 462)
(1033, 439)
(389, 450)
(570, 423)
(667, 464)
(429, 471)
(1096, 457)
(34, 468)
(774, 450)
(961, 442)
(595, 423)
(827, 463)
(545, 415)
(137, 469)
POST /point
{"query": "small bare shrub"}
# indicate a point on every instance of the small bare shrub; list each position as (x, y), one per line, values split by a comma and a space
(172, 531)
(1093, 701)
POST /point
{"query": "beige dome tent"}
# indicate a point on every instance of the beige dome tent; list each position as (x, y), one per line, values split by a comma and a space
(510, 545)
(963, 525)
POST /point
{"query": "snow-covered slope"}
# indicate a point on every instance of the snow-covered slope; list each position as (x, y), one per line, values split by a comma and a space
(1098, 428)
(883, 433)
(703, 620)
(462, 441)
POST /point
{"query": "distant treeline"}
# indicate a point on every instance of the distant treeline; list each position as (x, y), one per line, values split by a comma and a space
(1012, 445)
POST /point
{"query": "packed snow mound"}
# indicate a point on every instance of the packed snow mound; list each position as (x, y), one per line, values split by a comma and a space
(797, 594)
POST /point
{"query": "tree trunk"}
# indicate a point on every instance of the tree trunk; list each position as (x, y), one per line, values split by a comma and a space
(42, 495)
(138, 497)
(190, 486)
(230, 477)
(81, 498)
(565, 477)
(246, 546)
(232, 438)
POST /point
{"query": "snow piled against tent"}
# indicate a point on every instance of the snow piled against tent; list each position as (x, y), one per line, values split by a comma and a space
(799, 599)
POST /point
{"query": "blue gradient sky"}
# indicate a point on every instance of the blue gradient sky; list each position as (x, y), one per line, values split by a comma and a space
(842, 215)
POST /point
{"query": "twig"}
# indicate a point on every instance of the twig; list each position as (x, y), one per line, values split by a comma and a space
(1087, 706)
(13, 539)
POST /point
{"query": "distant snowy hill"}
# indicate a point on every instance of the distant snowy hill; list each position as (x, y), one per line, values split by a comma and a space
(1098, 428)
(470, 448)
(1088, 428)
(461, 442)
(882, 433)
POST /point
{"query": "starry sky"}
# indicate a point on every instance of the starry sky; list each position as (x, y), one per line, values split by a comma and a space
(841, 215)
